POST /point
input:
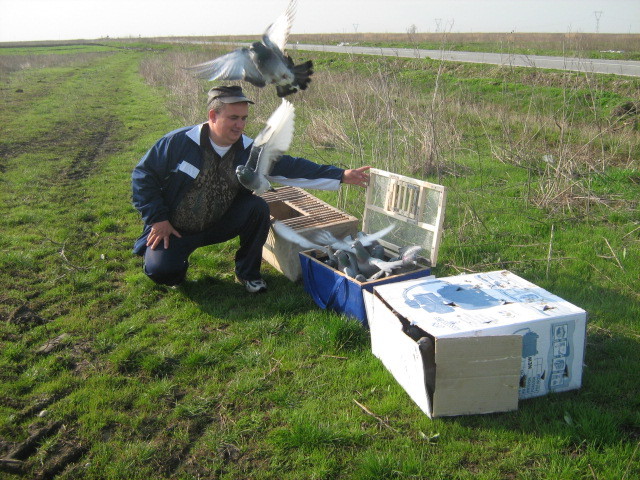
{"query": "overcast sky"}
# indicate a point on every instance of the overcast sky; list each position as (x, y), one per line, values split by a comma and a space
(22, 20)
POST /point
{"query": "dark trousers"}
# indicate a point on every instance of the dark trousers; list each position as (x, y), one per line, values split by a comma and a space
(247, 217)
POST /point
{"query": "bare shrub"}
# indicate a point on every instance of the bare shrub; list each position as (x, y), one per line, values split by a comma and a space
(184, 92)
(561, 149)
(376, 118)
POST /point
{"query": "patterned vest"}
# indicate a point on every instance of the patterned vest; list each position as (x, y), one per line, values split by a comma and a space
(211, 192)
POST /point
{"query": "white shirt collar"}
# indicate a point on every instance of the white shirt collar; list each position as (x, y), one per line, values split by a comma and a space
(194, 134)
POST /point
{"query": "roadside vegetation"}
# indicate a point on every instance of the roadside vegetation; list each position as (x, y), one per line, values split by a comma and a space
(104, 375)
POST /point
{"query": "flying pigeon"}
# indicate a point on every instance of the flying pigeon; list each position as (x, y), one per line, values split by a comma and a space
(272, 141)
(264, 62)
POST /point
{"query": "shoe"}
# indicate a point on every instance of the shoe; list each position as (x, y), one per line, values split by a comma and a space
(254, 286)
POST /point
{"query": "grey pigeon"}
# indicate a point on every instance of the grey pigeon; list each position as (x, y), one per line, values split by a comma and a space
(264, 62)
(347, 263)
(272, 141)
(377, 251)
(363, 258)
(344, 265)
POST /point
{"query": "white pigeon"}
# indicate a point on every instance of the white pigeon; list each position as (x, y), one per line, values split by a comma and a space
(264, 62)
(272, 141)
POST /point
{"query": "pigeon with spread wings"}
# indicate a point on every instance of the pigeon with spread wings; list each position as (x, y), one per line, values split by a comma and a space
(264, 62)
(272, 141)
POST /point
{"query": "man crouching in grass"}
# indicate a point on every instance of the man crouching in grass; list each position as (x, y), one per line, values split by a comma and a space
(186, 190)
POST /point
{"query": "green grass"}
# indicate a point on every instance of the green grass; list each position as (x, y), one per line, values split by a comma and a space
(207, 381)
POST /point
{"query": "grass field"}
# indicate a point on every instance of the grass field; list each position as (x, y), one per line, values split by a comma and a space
(104, 375)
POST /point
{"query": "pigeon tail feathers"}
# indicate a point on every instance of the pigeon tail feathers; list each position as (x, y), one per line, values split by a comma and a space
(302, 77)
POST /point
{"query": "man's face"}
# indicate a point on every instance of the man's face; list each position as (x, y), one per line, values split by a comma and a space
(228, 125)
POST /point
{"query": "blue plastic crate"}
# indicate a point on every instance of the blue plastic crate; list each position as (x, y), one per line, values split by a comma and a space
(331, 289)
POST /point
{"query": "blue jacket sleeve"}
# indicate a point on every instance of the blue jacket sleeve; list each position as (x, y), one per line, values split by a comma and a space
(147, 181)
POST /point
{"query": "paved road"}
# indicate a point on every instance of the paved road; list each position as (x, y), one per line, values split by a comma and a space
(617, 67)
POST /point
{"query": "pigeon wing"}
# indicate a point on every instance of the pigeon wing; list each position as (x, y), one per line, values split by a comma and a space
(276, 137)
(236, 65)
(277, 33)
(291, 235)
(372, 237)
(326, 238)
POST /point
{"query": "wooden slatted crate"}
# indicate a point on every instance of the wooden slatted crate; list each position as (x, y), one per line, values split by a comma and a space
(306, 214)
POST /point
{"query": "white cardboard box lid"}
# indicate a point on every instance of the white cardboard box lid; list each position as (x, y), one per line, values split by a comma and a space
(473, 374)
(415, 206)
(463, 305)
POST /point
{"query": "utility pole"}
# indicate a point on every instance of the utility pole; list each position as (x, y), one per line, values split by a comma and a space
(598, 14)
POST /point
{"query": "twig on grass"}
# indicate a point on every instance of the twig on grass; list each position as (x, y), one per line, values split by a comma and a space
(380, 420)
(614, 254)
(460, 269)
(518, 262)
(62, 254)
(266, 375)
(627, 234)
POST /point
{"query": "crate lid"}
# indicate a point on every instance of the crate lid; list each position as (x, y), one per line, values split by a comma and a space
(415, 206)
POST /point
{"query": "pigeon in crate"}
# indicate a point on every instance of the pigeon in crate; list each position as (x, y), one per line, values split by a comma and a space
(345, 264)
(365, 265)
(272, 141)
(409, 258)
(264, 62)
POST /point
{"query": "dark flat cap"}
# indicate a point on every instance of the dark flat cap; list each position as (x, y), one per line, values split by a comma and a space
(231, 94)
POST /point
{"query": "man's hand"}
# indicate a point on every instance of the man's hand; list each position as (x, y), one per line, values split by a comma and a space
(160, 232)
(357, 176)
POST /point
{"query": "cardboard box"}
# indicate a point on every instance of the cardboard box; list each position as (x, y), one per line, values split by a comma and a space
(415, 207)
(476, 343)
(306, 214)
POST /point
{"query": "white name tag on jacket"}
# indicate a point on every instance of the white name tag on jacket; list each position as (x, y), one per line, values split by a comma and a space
(188, 169)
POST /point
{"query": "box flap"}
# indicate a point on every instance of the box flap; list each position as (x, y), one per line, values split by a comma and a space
(477, 375)
(415, 206)
(399, 353)
(472, 374)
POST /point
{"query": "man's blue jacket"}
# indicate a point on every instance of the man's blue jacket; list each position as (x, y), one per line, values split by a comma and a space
(166, 172)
